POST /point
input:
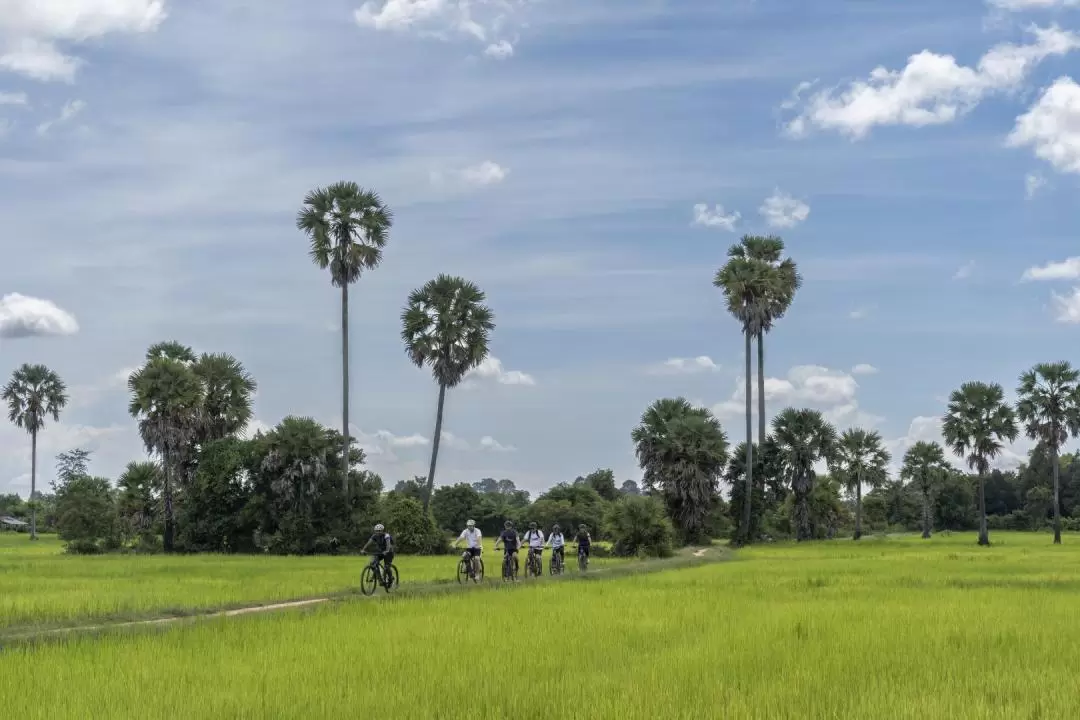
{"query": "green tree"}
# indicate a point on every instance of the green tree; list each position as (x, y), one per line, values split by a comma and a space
(414, 488)
(629, 487)
(446, 326)
(412, 528)
(1049, 408)
(682, 450)
(228, 391)
(769, 491)
(976, 425)
(925, 467)
(348, 228)
(860, 459)
(167, 400)
(212, 517)
(86, 515)
(569, 506)
(803, 438)
(602, 481)
(639, 526)
(454, 505)
(34, 394)
(137, 502)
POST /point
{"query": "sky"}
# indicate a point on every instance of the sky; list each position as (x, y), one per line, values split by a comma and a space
(587, 164)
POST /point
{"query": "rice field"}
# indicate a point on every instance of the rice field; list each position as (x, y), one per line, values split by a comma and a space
(41, 586)
(886, 628)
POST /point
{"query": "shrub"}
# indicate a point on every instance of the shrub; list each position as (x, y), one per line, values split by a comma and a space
(86, 516)
(413, 530)
(639, 526)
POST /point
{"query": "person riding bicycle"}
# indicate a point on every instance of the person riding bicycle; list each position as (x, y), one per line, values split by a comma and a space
(472, 537)
(535, 539)
(509, 539)
(557, 542)
(583, 540)
(384, 548)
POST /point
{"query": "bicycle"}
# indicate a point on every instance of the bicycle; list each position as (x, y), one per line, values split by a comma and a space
(555, 565)
(534, 564)
(582, 560)
(470, 571)
(509, 567)
(373, 576)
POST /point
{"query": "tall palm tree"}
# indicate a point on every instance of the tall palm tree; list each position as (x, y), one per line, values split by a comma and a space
(682, 450)
(1049, 408)
(446, 326)
(860, 458)
(975, 426)
(803, 438)
(924, 465)
(34, 394)
(348, 227)
(228, 389)
(167, 400)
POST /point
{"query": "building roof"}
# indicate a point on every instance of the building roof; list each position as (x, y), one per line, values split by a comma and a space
(12, 521)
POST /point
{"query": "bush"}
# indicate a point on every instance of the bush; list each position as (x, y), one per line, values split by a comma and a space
(86, 516)
(414, 532)
(639, 526)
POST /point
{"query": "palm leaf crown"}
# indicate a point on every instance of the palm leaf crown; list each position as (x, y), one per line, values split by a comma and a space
(923, 462)
(860, 456)
(1049, 404)
(758, 284)
(803, 437)
(675, 436)
(348, 227)
(33, 394)
(977, 422)
(446, 325)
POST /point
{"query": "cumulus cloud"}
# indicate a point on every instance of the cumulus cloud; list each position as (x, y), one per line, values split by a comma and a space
(864, 369)
(23, 316)
(715, 217)
(492, 369)
(485, 21)
(783, 211)
(928, 429)
(1067, 307)
(69, 111)
(32, 32)
(685, 366)
(1067, 269)
(932, 89)
(1051, 126)
(489, 443)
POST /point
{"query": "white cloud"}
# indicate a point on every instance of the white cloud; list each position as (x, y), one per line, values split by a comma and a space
(1067, 269)
(1067, 307)
(685, 366)
(492, 369)
(715, 217)
(964, 271)
(489, 443)
(13, 98)
(1021, 5)
(1033, 182)
(864, 369)
(932, 89)
(70, 110)
(928, 429)
(784, 211)
(485, 173)
(22, 316)
(1051, 127)
(31, 30)
(499, 50)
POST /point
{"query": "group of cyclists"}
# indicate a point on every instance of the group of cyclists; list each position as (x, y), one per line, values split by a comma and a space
(533, 539)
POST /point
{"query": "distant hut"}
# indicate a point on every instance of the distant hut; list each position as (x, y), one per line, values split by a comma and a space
(10, 524)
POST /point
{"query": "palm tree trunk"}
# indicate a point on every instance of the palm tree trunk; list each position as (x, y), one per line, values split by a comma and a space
(1057, 504)
(167, 493)
(926, 516)
(984, 534)
(761, 389)
(33, 485)
(748, 498)
(345, 391)
(858, 506)
(435, 447)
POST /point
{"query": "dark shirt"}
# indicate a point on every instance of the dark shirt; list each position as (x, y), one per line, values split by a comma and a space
(382, 542)
(583, 539)
(509, 539)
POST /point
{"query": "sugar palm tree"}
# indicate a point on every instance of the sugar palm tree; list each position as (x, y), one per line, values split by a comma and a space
(860, 459)
(228, 389)
(924, 465)
(682, 450)
(976, 425)
(348, 228)
(1049, 408)
(803, 438)
(34, 394)
(446, 326)
(167, 400)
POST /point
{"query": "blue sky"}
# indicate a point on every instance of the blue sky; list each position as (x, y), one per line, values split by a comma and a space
(153, 156)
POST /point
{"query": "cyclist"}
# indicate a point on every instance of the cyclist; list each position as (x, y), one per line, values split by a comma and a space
(583, 540)
(509, 539)
(472, 537)
(535, 538)
(557, 542)
(384, 549)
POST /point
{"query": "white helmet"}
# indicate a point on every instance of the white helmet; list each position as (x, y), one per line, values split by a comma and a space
(471, 524)
(379, 527)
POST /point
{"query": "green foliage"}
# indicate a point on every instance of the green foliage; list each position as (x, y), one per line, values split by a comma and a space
(87, 520)
(348, 228)
(769, 490)
(639, 526)
(213, 516)
(413, 530)
(414, 488)
(138, 491)
(630, 487)
(569, 506)
(454, 505)
(602, 481)
(803, 438)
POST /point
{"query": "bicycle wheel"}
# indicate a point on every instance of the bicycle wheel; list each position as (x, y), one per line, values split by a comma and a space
(479, 565)
(508, 568)
(555, 566)
(462, 571)
(392, 579)
(368, 581)
(582, 562)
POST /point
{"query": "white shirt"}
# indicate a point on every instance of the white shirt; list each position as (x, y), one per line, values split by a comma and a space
(535, 538)
(556, 540)
(471, 537)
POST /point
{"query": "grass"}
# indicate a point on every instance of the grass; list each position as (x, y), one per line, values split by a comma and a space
(42, 587)
(886, 628)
